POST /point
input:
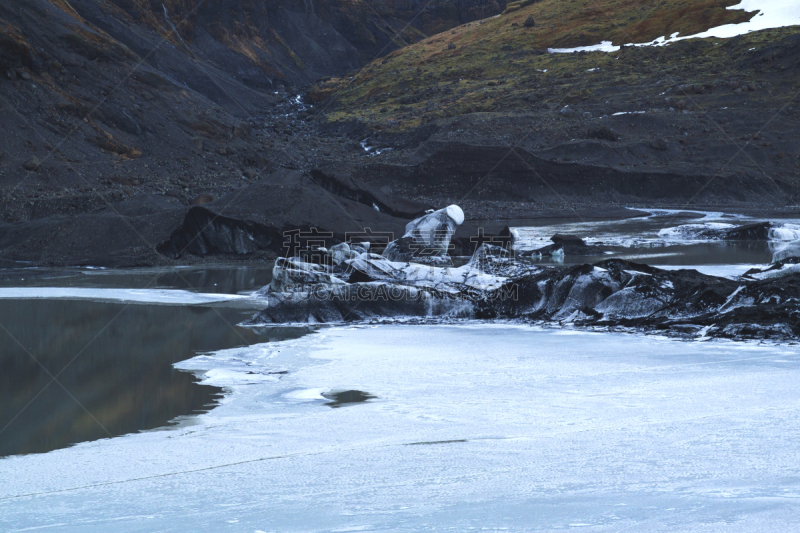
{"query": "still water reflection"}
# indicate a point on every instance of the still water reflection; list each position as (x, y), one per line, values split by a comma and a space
(210, 279)
(120, 370)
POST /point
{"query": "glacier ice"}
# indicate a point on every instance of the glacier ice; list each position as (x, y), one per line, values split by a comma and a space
(427, 237)
(785, 232)
(151, 296)
(708, 230)
(786, 251)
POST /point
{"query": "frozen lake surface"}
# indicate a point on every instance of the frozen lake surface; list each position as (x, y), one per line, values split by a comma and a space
(664, 238)
(495, 427)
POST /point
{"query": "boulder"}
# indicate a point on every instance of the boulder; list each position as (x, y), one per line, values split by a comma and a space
(202, 199)
(568, 112)
(612, 293)
(603, 133)
(759, 231)
(32, 164)
(204, 232)
(659, 144)
(568, 240)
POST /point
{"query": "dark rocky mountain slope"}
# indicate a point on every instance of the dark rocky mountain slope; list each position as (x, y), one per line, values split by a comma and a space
(699, 122)
(144, 110)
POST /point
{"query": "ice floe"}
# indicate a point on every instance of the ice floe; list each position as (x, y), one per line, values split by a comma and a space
(785, 251)
(704, 231)
(777, 270)
(785, 232)
(645, 232)
(427, 237)
(152, 296)
(767, 231)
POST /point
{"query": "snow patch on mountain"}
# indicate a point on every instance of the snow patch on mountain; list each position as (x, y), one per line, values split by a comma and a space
(771, 14)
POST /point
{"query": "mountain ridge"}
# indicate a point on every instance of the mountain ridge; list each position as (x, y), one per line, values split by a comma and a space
(112, 115)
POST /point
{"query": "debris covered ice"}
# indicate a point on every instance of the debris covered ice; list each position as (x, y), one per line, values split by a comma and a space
(428, 237)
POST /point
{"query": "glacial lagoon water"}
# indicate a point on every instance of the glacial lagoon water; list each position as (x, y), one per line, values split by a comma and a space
(111, 339)
(649, 239)
(207, 279)
(114, 367)
(470, 426)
